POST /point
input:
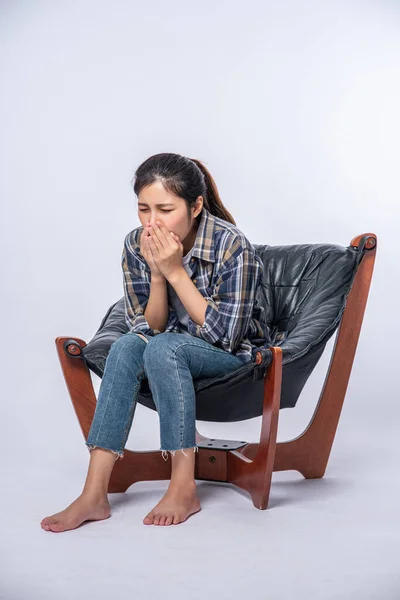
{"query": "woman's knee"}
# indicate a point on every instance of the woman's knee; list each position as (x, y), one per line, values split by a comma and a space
(127, 343)
(160, 346)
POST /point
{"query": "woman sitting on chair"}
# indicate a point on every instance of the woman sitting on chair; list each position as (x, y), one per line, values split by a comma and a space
(191, 284)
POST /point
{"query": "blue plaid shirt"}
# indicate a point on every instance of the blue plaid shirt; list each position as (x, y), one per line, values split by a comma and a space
(227, 272)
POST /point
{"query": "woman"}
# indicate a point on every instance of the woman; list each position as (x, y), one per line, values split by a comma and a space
(191, 284)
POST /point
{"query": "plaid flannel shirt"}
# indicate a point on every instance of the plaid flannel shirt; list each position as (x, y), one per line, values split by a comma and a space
(227, 272)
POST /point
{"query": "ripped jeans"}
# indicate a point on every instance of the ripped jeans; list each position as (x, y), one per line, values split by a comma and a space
(170, 361)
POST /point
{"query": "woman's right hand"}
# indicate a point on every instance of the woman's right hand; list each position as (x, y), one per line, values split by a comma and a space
(146, 252)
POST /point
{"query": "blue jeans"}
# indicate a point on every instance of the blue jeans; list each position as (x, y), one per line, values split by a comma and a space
(170, 361)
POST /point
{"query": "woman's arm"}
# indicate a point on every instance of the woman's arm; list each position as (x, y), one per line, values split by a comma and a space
(156, 311)
(189, 295)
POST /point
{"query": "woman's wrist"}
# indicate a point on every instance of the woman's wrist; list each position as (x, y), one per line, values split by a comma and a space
(157, 279)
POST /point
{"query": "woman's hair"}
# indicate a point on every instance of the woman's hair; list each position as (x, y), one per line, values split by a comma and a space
(185, 177)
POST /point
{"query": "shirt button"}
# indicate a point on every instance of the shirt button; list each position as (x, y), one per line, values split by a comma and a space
(194, 280)
(192, 259)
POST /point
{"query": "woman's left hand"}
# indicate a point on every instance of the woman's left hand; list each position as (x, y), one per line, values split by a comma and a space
(167, 250)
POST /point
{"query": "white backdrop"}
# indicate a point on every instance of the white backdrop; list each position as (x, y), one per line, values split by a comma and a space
(294, 108)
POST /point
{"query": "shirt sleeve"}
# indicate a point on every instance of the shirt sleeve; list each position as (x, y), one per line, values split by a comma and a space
(230, 308)
(136, 284)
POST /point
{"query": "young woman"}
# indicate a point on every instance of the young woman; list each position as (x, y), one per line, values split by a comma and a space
(191, 284)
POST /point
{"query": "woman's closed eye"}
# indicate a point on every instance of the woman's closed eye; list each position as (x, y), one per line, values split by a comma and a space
(162, 210)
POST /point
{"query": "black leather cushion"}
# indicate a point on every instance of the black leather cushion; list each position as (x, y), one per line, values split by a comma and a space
(304, 295)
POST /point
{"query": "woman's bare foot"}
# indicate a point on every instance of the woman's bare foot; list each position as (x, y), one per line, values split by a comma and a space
(82, 509)
(176, 506)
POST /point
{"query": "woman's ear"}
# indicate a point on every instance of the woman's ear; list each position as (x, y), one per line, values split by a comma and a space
(199, 206)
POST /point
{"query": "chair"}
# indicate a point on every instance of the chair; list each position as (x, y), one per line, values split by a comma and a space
(308, 292)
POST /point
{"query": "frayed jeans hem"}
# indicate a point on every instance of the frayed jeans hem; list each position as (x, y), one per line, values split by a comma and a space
(119, 454)
(164, 453)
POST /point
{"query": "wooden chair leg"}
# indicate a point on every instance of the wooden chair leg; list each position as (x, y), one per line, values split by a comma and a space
(255, 475)
(309, 452)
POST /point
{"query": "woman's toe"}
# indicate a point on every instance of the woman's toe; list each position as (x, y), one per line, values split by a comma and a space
(47, 522)
(148, 520)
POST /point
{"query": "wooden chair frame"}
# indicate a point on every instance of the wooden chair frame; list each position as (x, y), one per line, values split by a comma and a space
(246, 465)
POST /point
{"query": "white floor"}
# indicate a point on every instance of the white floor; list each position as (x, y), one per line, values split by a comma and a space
(334, 538)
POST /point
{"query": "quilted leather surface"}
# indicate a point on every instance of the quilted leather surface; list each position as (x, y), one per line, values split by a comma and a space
(304, 293)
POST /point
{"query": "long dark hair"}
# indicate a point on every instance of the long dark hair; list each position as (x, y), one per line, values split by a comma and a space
(185, 177)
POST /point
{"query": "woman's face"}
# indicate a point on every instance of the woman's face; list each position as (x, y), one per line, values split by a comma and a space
(156, 204)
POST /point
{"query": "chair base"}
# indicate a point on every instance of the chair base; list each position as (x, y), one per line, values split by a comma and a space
(214, 461)
(211, 464)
